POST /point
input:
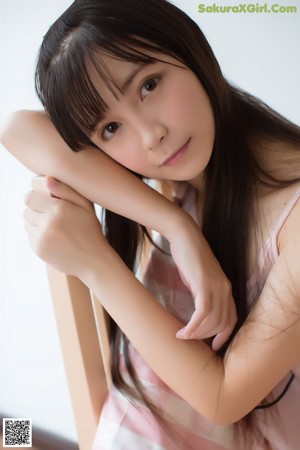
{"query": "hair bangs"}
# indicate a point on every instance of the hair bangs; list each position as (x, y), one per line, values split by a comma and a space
(70, 98)
(67, 88)
(70, 57)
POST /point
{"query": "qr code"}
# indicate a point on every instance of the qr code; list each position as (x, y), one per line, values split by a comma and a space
(17, 433)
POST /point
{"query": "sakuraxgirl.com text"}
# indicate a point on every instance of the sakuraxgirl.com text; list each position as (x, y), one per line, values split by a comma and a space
(241, 8)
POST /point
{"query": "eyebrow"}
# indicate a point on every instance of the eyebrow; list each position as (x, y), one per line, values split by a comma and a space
(131, 76)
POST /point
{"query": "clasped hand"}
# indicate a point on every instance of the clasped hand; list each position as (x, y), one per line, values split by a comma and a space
(215, 312)
(64, 231)
(63, 228)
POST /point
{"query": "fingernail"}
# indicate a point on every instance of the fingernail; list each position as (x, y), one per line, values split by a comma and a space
(50, 181)
(180, 334)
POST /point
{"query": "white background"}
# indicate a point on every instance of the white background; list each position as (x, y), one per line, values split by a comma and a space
(259, 52)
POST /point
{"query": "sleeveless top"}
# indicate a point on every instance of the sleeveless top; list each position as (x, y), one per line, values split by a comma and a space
(126, 424)
(277, 427)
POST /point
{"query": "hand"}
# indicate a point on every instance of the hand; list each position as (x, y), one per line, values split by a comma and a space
(63, 229)
(215, 312)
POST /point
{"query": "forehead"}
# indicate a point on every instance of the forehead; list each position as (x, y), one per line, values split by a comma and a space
(108, 76)
(120, 72)
(113, 74)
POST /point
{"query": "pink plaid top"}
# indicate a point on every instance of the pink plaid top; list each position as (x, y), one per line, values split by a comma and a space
(127, 425)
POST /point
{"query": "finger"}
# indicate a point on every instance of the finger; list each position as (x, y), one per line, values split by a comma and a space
(208, 328)
(31, 234)
(65, 192)
(32, 217)
(203, 309)
(223, 335)
(38, 201)
(220, 339)
(196, 328)
(183, 279)
(220, 329)
(35, 242)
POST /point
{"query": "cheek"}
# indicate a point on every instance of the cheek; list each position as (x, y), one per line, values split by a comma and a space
(188, 103)
(178, 104)
(130, 157)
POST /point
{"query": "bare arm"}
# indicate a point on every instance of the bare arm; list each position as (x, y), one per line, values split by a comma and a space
(221, 389)
(32, 139)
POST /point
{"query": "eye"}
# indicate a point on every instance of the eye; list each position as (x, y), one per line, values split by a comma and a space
(109, 130)
(148, 86)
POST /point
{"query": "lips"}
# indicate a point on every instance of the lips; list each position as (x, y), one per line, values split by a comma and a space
(177, 155)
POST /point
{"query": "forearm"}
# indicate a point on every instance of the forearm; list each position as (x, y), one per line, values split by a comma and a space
(190, 368)
(33, 140)
(223, 390)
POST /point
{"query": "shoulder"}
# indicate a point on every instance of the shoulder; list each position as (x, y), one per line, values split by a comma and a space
(282, 288)
(288, 244)
(279, 302)
(289, 257)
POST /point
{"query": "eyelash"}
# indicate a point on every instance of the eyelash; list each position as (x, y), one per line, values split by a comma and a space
(106, 127)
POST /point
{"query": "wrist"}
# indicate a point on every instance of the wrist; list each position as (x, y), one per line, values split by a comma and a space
(180, 224)
(171, 220)
(100, 267)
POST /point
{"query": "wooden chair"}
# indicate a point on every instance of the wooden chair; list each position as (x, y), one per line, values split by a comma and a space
(83, 330)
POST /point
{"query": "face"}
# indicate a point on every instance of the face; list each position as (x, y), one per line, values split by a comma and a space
(161, 125)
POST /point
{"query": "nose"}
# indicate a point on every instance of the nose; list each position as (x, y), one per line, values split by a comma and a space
(152, 133)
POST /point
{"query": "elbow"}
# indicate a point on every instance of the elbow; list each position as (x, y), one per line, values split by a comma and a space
(225, 416)
(4, 135)
(227, 412)
(226, 409)
(15, 129)
(8, 130)
(226, 419)
(221, 418)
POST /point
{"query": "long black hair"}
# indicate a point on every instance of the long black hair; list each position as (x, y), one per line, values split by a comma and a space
(130, 30)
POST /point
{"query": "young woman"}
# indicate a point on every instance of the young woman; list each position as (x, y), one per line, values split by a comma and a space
(137, 84)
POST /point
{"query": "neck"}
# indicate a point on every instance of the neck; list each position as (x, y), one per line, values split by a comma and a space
(198, 183)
